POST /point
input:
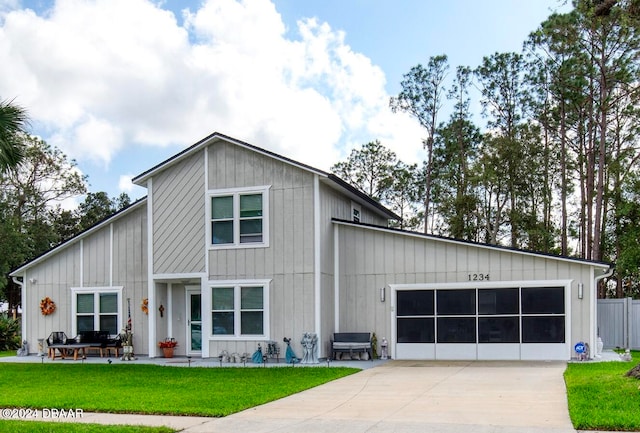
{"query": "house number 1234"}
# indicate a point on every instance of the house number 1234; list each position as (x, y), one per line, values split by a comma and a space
(478, 277)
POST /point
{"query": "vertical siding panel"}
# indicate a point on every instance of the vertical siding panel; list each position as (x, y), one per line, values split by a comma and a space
(434, 261)
(370, 259)
(57, 274)
(326, 234)
(288, 233)
(179, 217)
(298, 229)
(288, 261)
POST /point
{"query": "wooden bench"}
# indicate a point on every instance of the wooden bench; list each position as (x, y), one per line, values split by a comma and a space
(100, 340)
(350, 342)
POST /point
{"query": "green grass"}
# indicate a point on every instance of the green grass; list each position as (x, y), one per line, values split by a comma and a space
(152, 389)
(56, 427)
(7, 353)
(601, 397)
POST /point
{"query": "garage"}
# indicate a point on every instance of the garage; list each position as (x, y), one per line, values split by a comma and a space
(505, 321)
(434, 298)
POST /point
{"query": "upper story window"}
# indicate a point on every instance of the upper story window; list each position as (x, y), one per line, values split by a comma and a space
(239, 217)
(356, 210)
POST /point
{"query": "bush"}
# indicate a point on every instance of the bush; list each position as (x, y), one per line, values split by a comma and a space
(9, 333)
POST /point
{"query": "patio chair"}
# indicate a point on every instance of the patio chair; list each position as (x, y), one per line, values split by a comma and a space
(57, 340)
(57, 337)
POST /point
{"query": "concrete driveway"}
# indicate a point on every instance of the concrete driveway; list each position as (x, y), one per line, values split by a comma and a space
(415, 396)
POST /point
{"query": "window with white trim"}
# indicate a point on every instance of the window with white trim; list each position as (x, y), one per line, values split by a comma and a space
(239, 310)
(356, 211)
(97, 309)
(239, 218)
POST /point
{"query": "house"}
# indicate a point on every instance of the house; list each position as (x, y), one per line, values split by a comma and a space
(235, 246)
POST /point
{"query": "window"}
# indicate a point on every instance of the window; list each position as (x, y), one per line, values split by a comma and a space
(499, 329)
(239, 310)
(456, 330)
(416, 330)
(499, 320)
(239, 218)
(415, 303)
(415, 316)
(356, 211)
(543, 329)
(543, 300)
(543, 315)
(456, 302)
(97, 309)
(498, 301)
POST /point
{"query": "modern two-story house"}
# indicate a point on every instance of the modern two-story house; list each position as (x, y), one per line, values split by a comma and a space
(235, 246)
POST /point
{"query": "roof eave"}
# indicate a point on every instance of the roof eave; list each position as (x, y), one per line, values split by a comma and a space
(599, 264)
(69, 242)
(142, 178)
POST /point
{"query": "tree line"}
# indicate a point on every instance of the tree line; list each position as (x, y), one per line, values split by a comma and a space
(552, 165)
(35, 179)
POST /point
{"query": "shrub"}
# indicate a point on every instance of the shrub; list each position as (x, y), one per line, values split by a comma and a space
(9, 333)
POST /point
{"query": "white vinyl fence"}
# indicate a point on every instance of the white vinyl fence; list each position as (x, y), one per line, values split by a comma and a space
(619, 323)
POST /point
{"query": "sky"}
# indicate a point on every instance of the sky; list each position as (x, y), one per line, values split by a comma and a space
(121, 85)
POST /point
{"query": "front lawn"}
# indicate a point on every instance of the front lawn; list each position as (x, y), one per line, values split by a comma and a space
(153, 389)
(601, 397)
(57, 427)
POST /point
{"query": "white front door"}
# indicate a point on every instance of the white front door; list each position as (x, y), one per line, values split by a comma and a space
(194, 322)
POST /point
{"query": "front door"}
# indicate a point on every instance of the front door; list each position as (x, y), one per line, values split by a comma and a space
(194, 324)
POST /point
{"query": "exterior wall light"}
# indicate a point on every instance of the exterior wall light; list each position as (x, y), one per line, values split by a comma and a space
(382, 294)
(580, 290)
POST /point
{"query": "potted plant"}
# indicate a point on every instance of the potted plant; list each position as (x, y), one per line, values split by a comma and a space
(167, 347)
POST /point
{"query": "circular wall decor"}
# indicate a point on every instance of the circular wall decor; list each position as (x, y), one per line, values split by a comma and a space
(47, 306)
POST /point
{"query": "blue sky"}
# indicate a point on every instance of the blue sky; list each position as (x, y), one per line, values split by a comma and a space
(120, 85)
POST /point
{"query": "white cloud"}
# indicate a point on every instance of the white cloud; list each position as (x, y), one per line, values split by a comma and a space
(104, 75)
(125, 184)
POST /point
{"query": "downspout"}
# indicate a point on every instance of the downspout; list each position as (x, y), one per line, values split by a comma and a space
(594, 307)
(605, 275)
(23, 323)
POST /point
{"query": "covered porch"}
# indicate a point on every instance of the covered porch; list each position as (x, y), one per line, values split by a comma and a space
(175, 312)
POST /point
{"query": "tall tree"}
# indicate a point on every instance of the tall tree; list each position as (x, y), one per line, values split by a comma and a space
(27, 196)
(558, 71)
(422, 97)
(501, 82)
(368, 169)
(610, 36)
(457, 144)
(402, 194)
(13, 122)
(97, 207)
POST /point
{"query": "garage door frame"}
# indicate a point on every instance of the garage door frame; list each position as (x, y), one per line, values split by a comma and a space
(483, 351)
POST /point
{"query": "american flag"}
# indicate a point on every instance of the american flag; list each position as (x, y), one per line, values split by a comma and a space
(129, 312)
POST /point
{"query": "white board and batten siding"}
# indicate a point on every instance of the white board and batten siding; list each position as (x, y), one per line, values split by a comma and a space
(334, 205)
(110, 255)
(371, 259)
(288, 260)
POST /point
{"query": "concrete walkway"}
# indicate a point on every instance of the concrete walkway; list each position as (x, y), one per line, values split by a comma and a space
(404, 396)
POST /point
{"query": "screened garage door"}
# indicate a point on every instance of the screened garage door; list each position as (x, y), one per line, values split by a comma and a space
(493, 323)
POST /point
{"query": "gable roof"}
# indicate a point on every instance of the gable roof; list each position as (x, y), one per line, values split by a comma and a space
(600, 264)
(329, 178)
(83, 234)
